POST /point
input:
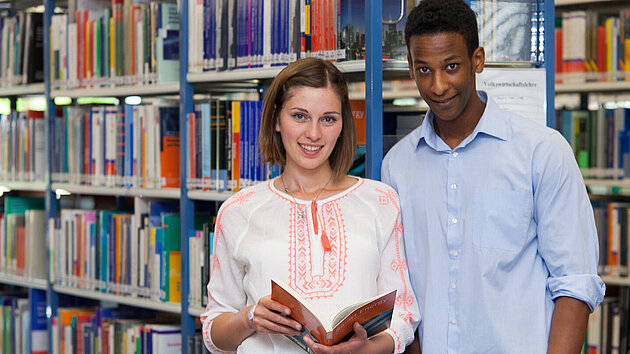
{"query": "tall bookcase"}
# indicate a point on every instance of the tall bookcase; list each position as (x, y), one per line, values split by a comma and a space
(373, 71)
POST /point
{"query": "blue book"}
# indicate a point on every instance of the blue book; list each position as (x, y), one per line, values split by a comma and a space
(159, 208)
(39, 323)
(167, 43)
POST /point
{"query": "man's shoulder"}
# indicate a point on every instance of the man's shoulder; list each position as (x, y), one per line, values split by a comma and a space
(404, 146)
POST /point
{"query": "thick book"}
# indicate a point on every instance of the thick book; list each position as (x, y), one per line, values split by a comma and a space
(374, 314)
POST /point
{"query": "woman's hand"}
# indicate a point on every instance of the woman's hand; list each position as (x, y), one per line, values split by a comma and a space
(358, 343)
(269, 317)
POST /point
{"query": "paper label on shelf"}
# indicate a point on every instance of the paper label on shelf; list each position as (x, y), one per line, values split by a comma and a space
(521, 91)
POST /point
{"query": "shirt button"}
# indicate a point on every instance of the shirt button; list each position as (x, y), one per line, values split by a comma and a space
(454, 220)
(453, 285)
(455, 253)
(455, 154)
(453, 186)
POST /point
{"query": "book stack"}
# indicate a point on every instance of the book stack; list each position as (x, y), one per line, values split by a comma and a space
(263, 33)
(600, 140)
(593, 45)
(223, 146)
(21, 49)
(113, 330)
(123, 146)
(22, 146)
(132, 253)
(114, 43)
(23, 237)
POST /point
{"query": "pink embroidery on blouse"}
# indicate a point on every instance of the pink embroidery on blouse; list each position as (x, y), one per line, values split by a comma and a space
(398, 264)
(301, 277)
(240, 199)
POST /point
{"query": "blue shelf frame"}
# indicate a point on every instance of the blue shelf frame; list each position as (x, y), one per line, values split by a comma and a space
(186, 206)
(52, 298)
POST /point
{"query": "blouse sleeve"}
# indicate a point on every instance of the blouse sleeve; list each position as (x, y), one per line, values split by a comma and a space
(394, 275)
(225, 288)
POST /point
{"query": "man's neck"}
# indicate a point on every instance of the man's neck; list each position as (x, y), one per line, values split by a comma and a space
(453, 132)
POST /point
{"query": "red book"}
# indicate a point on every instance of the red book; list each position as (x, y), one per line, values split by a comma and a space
(374, 314)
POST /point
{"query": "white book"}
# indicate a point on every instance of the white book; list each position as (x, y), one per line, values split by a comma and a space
(110, 145)
(72, 77)
(35, 221)
(267, 34)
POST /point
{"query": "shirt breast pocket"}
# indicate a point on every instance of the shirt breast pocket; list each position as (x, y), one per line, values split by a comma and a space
(501, 218)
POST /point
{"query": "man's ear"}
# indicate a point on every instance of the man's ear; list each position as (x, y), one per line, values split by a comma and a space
(410, 62)
(479, 59)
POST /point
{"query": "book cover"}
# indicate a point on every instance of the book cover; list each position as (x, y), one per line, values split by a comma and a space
(169, 147)
(38, 320)
(373, 314)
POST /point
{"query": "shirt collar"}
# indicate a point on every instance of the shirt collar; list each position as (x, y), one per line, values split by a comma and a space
(492, 123)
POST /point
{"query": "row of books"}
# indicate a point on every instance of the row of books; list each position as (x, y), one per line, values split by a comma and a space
(200, 244)
(223, 146)
(131, 146)
(593, 45)
(600, 140)
(23, 321)
(612, 221)
(23, 237)
(23, 146)
(21, 48)
(115, 43)
(114, 330)
(263, 33)
(132, 253)
(196, 344)
(608, 329)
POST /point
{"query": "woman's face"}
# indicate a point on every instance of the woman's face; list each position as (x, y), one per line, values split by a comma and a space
(310, 123)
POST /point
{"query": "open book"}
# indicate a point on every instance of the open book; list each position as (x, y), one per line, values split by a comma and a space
(374, 314)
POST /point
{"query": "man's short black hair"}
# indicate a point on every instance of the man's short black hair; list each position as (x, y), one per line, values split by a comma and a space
(442, 16)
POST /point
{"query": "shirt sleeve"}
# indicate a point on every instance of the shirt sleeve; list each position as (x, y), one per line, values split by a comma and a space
(225, 288)
(394, 275)
(565, 221)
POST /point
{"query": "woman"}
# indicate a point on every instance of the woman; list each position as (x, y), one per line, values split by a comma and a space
(333, 238)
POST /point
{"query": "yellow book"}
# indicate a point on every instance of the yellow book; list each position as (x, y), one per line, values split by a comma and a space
(175, 276)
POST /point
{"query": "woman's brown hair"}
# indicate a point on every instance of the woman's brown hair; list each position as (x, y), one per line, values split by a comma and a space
(307, 72)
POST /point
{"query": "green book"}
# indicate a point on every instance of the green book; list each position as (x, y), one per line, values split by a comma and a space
(172, 243)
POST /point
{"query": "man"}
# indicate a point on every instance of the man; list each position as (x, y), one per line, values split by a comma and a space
(499, 231)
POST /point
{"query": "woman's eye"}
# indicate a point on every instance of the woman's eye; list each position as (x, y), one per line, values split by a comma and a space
(299, 116)
(329, 119)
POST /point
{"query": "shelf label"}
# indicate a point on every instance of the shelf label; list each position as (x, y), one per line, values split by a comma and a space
(521, 91)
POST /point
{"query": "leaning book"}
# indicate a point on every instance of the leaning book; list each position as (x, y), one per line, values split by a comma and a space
(374, 314)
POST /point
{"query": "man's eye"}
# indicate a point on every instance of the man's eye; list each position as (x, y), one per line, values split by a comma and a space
(451, 66)
(423, 70)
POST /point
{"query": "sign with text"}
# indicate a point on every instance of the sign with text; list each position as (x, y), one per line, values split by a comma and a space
(522, 91)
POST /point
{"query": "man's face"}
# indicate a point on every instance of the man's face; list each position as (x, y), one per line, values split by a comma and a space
(444, 72)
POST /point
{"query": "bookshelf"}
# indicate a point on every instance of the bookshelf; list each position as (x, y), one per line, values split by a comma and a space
(373, 71)
(599, 94)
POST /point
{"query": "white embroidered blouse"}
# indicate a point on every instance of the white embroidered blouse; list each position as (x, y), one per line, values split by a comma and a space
(263, 233)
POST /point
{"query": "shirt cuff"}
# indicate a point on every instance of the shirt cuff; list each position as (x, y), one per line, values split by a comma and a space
(399, 346)
(207, 338)
(587, 288)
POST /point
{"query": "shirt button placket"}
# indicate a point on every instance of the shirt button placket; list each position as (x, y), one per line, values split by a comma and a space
(454, 242)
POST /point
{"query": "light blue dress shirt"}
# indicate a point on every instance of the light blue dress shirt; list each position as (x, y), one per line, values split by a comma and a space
(494, 230)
